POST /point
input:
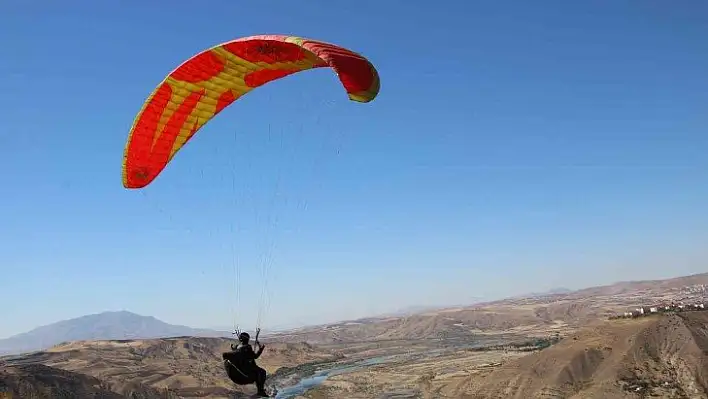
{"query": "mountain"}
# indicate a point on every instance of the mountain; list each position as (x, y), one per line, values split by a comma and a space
(698, 281)
(406, 311)
(551, 292)
(554, 291)
(558, 309)
(664, 356)
(101, 326)
(561, 309)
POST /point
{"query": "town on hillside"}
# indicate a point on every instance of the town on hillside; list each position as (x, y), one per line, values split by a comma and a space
(686, 304)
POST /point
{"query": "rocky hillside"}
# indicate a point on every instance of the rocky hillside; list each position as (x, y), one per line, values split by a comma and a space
(183, 366)
(664, 356)
(37, 381)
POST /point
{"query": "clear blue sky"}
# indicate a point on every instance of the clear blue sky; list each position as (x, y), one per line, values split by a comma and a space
(515, 146)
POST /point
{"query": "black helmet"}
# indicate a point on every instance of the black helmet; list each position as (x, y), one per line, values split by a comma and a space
(244, 336)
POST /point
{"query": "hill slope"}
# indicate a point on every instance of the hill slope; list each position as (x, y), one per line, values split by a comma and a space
(42, 382)
(529, 315)
(186, 366)
(664, 356)
(101, 326)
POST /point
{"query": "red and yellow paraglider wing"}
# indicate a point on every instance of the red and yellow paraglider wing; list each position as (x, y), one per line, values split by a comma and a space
(357, 74)
(207, 83)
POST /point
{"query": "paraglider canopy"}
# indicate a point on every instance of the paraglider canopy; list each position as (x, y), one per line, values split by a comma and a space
(205, 84)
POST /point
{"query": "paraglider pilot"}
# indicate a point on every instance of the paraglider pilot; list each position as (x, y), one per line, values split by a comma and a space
(240, 363)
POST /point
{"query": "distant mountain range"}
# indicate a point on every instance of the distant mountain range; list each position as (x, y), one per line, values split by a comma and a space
(533, 312)
(407, 311)
(101, 326)
(409, 323)
(552, 291)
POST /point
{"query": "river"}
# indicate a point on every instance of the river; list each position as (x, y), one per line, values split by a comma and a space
(320, 376)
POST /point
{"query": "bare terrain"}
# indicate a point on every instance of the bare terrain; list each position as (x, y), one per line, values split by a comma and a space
(558, 345)
(184, 367)
(664, 356)
(659, 356)
(37, 381)
(535, 315)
